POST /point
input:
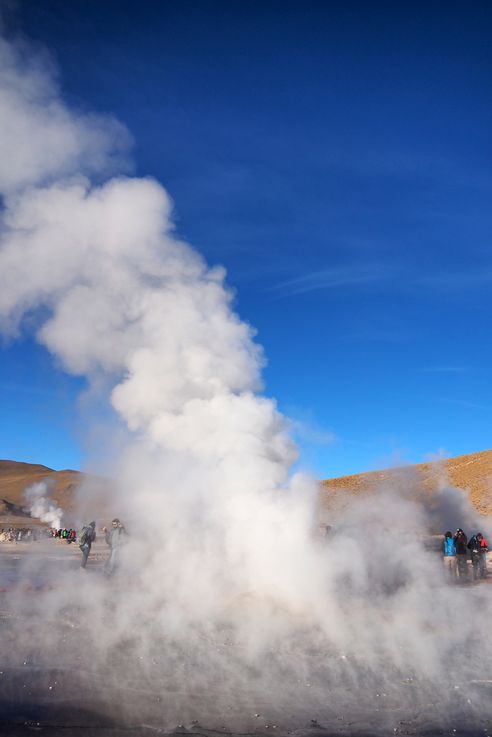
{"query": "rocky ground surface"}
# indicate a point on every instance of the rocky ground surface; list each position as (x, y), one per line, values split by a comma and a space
(45, 690)
(55, 692)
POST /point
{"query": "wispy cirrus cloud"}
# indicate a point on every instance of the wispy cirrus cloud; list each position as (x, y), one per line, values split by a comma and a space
(334, 278)
(462, 403)
(312, 433)
(445, 369)
(415, 164)
(454, 280)
(306, 429)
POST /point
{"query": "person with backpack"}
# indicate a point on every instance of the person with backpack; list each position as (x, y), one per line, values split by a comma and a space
(86, 538)
(460, 541)
(115, 537)
(449, 553)
(478, 549)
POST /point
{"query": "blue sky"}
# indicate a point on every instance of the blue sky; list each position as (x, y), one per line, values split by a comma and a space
(336, 159)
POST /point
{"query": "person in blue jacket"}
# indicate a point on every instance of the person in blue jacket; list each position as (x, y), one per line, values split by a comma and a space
(449, 553)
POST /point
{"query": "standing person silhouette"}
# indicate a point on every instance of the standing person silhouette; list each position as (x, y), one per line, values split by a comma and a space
(461, 540)
(86, 538)
(115, 537)
(449, 553)
(478, 549)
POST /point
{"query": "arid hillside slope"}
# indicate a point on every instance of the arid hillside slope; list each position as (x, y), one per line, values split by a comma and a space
(16, 477)
(472, 472)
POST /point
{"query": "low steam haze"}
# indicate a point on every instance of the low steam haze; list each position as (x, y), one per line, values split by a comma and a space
(228, 604)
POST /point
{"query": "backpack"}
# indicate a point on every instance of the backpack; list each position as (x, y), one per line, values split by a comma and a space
(85, 536)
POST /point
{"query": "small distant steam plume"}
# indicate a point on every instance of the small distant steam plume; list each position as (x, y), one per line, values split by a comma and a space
(41, 506)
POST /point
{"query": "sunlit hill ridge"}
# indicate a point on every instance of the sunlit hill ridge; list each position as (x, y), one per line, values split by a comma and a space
(472, 472)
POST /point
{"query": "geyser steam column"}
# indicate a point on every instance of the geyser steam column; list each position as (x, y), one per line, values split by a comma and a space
(123, 298)
(126, 302)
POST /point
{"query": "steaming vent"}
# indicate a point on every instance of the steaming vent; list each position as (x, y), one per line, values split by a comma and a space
(226, 609)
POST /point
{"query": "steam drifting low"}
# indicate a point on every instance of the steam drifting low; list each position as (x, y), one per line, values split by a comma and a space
(233, 591)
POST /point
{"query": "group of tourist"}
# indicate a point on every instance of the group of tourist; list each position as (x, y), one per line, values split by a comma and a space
(22, 534)
(69, 535)
(456, 551)
(114, 537)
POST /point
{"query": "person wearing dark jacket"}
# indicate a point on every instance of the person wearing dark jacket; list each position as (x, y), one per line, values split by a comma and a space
(86, 538)
(460, 540)
(478, 549)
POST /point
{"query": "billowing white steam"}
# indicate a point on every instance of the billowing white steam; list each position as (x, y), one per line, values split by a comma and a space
(41, 506)
(234, 596)
(127, 300)
(124, 299)
(41, 140)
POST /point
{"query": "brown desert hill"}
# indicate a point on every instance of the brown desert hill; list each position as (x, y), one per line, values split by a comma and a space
(16, 477)
(472, 472)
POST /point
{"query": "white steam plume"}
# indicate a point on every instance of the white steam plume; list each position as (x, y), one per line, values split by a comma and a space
(41, 140)
(41, 506)
(128, 301)
(234, 595)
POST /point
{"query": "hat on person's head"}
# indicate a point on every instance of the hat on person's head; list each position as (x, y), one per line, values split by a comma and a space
(92, 524)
